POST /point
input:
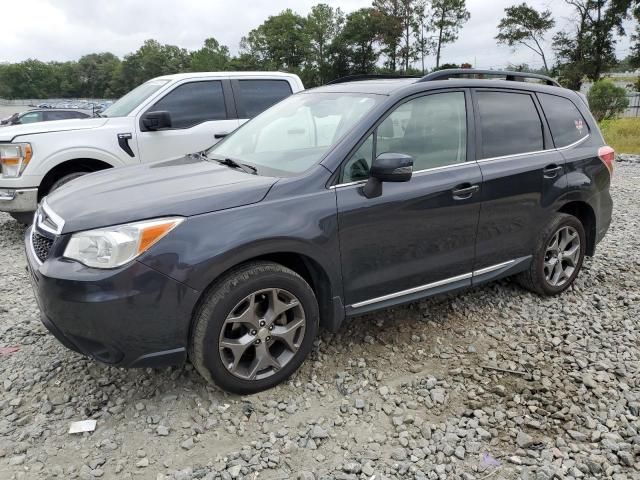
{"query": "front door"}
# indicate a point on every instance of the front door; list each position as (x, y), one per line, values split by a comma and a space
(419, 235)
(201, 114)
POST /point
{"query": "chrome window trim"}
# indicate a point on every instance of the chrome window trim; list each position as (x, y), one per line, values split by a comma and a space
(548, 150)
(417, 172)
(574, 144)
(433, 285)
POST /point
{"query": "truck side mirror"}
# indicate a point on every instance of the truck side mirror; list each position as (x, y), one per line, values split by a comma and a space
(158, 120)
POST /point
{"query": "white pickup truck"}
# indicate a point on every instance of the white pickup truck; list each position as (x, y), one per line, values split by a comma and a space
(164, 118)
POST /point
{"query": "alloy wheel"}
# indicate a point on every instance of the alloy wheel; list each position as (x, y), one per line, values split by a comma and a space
(562, 256)
(262, 333)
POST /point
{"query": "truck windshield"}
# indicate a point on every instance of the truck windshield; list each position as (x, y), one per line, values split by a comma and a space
(125, 105)
(296, 133)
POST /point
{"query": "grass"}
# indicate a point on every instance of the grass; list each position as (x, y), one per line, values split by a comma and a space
(622, 134)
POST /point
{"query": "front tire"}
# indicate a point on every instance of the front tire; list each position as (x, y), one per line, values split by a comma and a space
(558, 256)
(65, 179)
(254, 328)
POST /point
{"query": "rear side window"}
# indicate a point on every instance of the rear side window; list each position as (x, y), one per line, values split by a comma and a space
(194, 103)
(565, 120)
(62, 115)
(255, 96)
(509, 124)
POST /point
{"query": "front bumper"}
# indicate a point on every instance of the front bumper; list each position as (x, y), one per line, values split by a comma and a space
(18, 200)
(132, 316)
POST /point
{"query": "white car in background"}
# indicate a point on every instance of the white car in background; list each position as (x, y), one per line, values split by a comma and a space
(164, 118)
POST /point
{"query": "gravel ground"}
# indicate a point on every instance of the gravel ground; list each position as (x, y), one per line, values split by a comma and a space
(412, 392)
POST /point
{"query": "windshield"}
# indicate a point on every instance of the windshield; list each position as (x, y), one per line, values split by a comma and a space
(293, 135)
(125, 105)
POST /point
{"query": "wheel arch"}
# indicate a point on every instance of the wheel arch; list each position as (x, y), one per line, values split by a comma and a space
(70, 166)
(585, 213)
(310, 269)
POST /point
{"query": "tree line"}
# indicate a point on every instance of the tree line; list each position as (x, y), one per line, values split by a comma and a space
(390, 36)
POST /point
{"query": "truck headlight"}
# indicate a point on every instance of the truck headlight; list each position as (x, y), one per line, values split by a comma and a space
(112, 247)
(14, 157)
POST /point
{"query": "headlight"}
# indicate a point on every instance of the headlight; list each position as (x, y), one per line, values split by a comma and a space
(14, 157)
(114, 246)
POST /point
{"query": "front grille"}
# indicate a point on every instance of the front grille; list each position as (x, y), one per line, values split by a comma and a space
(41, 245)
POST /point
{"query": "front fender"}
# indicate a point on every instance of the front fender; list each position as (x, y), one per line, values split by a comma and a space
(45, 165)
(205, 246)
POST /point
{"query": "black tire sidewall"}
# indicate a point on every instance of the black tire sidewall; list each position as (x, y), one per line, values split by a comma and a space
(66, 179)
(561, 221)
(215, 312)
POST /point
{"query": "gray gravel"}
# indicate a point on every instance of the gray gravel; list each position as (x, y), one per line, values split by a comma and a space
(407, 393)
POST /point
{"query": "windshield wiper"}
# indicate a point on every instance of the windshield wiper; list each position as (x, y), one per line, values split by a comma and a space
(230, 162)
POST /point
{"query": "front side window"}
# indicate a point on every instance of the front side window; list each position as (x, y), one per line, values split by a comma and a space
(509, 124)
(125, 105)
(193, 103)
(255, 96)
(565, 120)
(432, 129)
(295, 134)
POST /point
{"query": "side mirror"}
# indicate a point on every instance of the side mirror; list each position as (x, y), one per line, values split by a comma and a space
(388, 167)
(158, 120)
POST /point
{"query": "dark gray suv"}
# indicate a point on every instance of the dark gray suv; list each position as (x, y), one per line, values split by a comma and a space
(337, 201)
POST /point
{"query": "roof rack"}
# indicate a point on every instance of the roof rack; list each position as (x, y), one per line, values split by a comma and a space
(468, 72)
(369, 76)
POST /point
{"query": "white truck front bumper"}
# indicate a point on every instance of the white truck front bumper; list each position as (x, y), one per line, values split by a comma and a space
(18, 200)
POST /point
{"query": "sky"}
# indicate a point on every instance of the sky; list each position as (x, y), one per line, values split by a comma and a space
(67, 29)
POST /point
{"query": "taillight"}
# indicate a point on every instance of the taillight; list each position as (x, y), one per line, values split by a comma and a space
(608, 157)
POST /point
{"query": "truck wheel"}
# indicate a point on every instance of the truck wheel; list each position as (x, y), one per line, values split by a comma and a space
(557, 258)
(65, 179)
(255, 328)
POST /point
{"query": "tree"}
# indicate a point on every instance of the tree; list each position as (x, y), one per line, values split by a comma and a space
(447, 18)
(424, 44)
(409, 24)
(606, 100)
(354, 49)
(212, 57)
(96, 73)
(589, 50)
(151, 60)
(281, 42)
(323, 25)
(526, 26)
(386, 14)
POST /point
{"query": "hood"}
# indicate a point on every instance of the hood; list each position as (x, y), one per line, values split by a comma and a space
(7, 134)
(183, 187)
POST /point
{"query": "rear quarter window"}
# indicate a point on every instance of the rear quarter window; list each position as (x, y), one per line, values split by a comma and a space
(565, 120)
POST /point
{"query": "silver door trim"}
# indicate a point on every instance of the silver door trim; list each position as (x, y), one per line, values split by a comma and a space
(430, 286)
(492, 268)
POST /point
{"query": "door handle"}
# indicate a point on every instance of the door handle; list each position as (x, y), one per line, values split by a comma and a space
(551, 171)
(220, 135)
(465, 191)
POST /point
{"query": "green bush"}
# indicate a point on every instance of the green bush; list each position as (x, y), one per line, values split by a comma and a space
(606, 100)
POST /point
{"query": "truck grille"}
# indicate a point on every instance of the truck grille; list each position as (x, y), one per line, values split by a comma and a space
(41, 245)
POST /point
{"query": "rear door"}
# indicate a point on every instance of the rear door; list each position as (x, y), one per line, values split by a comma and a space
(202, 112)
(255, 95)
(522, 175)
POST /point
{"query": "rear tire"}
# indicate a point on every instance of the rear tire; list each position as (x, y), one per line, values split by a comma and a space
(254, 328)
(558, 256)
